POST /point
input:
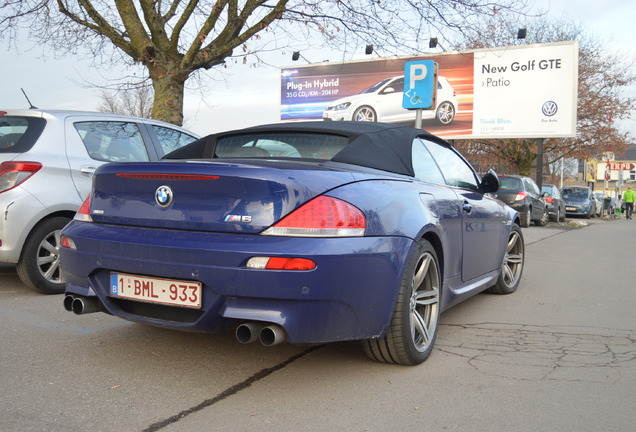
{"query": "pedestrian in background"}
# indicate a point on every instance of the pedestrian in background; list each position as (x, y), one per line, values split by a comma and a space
(628, 197)
(619, 205)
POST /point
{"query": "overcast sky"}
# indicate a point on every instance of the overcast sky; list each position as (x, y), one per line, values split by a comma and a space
(249, 96)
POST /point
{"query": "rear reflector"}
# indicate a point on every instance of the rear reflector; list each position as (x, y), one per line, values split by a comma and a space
(68, 243)
(281, 263)
(321, 217)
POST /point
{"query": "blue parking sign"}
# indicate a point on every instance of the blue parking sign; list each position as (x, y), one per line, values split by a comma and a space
(420, 84)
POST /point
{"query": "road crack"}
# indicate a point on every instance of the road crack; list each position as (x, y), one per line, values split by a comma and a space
(536, 353)
(263, 373)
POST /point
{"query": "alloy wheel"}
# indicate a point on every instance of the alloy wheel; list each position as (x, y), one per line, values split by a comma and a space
(48, 258)
(445, 113)
(365, 114)
(424, 302)
(513, 260)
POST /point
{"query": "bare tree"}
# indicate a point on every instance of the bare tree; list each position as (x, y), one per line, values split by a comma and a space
(172, 40)
(136, 102)
(602, 99)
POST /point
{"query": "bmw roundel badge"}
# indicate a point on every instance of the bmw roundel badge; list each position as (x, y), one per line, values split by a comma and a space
(163, 196)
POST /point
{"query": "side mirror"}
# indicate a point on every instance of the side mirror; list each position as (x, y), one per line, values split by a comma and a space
(489, 182)
(388, 90)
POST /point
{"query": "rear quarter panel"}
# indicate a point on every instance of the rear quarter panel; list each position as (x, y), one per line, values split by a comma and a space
(410, 209)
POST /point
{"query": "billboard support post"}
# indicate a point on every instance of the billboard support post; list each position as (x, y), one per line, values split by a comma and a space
(540, 163)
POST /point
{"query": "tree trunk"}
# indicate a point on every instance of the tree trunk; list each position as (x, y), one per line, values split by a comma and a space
(168, 102)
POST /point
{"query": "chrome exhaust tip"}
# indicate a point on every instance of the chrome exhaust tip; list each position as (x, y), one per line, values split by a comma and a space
(248, 332)
(85, 305)
(272, 335)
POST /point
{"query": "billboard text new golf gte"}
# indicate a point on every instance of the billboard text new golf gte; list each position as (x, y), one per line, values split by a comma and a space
(301, 232)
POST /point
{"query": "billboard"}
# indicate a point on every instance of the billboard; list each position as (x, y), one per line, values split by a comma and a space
(526, 91)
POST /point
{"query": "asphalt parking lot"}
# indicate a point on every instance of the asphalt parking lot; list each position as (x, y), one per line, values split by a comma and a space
(559, 354)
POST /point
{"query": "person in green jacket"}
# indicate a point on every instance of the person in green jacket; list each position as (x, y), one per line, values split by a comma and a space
(628, 197)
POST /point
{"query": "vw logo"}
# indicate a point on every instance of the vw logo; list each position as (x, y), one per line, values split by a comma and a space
(163, 196)
(549, 108)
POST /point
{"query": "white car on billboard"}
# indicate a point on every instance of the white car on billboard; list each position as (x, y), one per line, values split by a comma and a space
(383, 102)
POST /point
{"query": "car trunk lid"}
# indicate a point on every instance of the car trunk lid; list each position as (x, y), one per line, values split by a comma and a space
(229, 196)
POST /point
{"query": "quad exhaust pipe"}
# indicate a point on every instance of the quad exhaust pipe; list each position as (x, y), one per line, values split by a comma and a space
(268, 335)
(82, 305)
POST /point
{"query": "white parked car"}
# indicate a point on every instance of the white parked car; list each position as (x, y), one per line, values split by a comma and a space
(47, 159)
(383, 102)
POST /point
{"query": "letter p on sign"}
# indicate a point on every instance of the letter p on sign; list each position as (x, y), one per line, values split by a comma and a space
(420, 79)
(417, 72)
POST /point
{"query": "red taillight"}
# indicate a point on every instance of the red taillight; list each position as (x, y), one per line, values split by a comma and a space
(521, 196)
(548, 200)
(84, 212)
(14, 173)
(321, 217)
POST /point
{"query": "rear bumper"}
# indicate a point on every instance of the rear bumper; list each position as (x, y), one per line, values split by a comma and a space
(520, 207)
(349, 295)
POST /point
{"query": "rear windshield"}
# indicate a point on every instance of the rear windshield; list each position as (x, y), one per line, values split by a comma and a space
(18, 134)
(281, 145)
(510, 183)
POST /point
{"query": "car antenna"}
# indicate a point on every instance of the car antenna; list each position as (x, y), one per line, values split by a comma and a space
(27, 98)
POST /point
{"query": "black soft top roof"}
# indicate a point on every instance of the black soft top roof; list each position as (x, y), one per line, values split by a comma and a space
(375, 145)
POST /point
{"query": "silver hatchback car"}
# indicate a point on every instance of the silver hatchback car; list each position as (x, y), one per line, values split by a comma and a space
(47, 159)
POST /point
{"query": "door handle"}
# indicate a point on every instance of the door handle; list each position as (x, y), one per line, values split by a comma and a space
(467, 208)
(88, 170)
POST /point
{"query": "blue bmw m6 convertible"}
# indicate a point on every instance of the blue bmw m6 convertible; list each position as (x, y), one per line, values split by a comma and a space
(304, 232)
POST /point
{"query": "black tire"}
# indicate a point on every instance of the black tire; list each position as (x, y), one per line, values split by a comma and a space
(544, 219)
(525, 218)
(445, 113)
(39, 265)
(512, 266)
(411, 334)
(365, 113)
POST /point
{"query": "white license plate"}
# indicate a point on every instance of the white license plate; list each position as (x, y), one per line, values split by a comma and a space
(570, 209)
(156, 290)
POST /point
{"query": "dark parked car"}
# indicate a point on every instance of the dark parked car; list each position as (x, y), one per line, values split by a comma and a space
(522, 194)
(554, 201)
(579, 201)
(304, 232)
